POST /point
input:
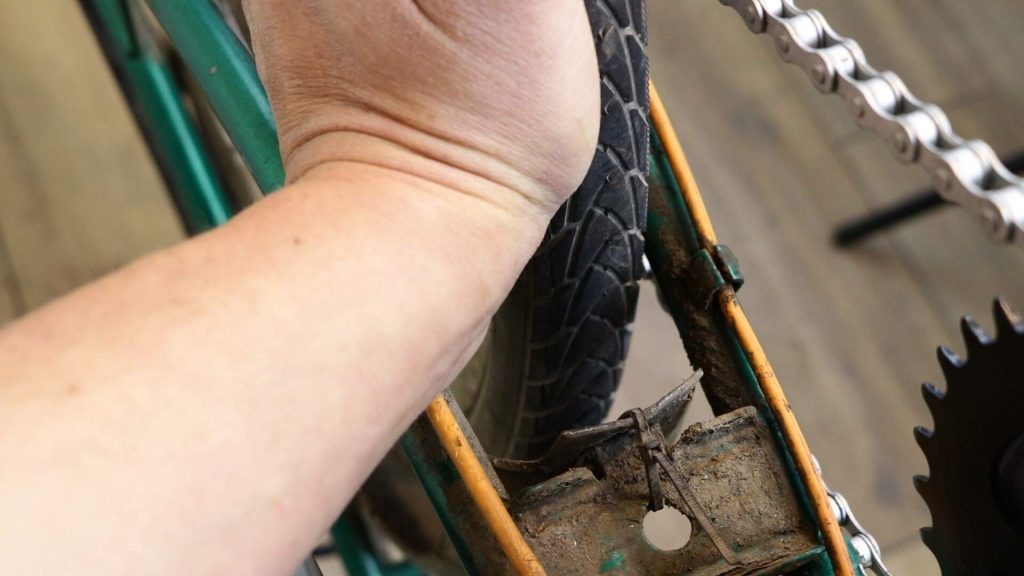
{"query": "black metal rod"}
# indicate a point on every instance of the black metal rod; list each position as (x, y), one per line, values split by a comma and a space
(860, 228)
(857, 229)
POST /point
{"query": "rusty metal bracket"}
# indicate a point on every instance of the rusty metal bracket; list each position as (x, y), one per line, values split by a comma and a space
(654, 453)
(581, 507)
(573, 447)
(651, 441)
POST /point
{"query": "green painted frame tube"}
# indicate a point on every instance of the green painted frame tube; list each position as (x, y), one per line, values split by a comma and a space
(153, 95)
(356, 553)
(226, 71)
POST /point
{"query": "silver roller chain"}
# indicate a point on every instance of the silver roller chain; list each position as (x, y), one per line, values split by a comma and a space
(868, 551)
(865, 544)
(966, 173)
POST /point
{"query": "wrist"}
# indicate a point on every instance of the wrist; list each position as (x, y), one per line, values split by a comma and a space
(488, 232)
(463, 169)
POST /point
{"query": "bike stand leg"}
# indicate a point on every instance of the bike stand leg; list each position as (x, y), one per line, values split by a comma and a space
(855, 230)
(920, 203)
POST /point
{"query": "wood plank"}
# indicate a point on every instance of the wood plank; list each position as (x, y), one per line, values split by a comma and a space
(991, 33)
(911, 558)
(9, 288)
(12, 301)
(95, 200)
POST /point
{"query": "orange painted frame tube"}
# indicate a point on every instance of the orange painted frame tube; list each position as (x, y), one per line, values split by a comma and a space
(766, 379)
(480, 489)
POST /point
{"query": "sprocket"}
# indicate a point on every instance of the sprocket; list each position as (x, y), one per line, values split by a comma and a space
(975, 487)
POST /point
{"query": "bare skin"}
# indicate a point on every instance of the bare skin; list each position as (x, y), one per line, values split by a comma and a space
(211, 408)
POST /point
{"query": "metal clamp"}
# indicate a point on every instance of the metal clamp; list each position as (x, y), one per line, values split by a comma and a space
(651, 441)
(654, 454)
(712, 271)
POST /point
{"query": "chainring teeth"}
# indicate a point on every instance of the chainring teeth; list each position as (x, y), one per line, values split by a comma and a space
(932, 398)
(1009, 322)
(922, 484)
(949, 361)
(972, 420)
(976, 338)
(922, 435)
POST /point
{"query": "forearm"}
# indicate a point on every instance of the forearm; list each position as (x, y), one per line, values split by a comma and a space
(214, 405)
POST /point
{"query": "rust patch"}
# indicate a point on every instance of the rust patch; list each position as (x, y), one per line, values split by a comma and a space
(705, 346)
(578, 520)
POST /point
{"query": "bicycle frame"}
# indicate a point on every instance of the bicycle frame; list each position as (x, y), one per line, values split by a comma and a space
(224, 69)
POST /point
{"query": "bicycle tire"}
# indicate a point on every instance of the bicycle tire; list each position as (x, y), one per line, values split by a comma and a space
(554, 357)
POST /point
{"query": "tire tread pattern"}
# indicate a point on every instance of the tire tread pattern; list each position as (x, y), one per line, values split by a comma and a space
(583, 279)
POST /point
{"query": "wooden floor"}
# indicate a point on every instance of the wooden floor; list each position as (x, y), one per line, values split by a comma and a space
(852, 334)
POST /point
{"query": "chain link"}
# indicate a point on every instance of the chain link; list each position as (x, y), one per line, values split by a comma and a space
(966, 173)
(865, 544)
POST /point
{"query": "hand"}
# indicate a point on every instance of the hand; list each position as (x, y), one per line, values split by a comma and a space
(459, 92)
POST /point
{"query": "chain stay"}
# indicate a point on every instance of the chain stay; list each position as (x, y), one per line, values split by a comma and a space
(967, 173)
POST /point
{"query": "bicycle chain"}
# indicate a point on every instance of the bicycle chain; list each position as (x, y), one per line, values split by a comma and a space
(865, 544)
(966, 173)
(868, 550)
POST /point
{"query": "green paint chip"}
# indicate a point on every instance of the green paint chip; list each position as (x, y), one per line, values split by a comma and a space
(615, 561)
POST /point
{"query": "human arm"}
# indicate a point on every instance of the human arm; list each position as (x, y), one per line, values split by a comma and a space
(210, 408)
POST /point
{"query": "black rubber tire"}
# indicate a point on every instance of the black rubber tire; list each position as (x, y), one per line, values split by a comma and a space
(558, 345)
(553, 357)
(584, 277)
